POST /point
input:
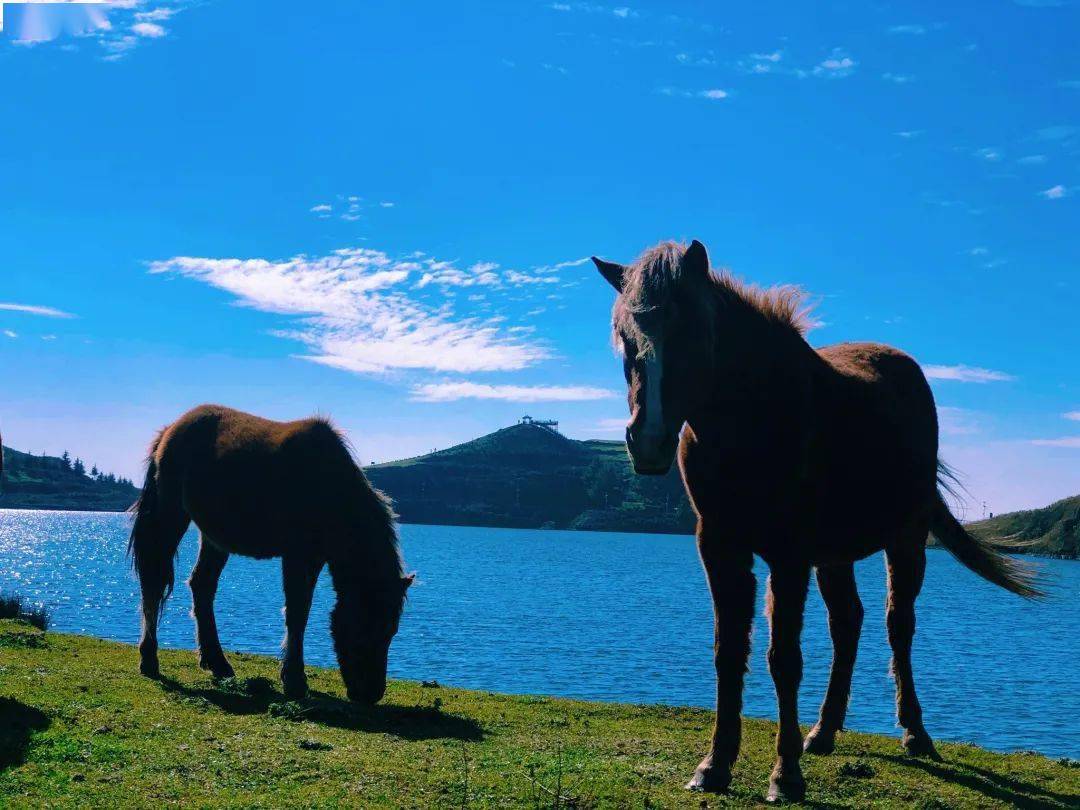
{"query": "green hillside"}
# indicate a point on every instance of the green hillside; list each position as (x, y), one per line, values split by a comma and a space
(48, 482)
(529, 476)
(1053, 530)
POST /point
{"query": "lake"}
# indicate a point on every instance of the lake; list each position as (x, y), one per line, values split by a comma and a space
(601, 616)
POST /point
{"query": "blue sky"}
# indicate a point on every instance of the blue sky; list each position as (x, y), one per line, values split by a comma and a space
(380, 211)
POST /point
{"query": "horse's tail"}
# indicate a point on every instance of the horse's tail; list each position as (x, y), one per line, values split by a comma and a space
(151, 551)
(976, 554)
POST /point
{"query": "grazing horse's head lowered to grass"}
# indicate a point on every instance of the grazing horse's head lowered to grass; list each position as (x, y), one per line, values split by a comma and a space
(363, 623)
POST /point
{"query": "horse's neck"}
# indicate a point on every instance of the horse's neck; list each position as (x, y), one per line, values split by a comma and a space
(367, 553)
(763, 368)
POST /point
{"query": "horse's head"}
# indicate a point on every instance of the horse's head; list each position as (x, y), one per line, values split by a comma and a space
(662, 325)
(363, 623)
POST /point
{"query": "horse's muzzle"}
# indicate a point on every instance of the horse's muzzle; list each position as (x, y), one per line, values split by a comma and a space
(651, 455)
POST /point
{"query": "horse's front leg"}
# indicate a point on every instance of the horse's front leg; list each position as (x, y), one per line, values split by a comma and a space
(299, 575)
(731, 582)
(204, 583)
(786, 600)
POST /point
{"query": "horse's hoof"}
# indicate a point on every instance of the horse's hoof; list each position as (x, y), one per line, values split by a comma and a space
(150, 669)
(709, 778)
(786, 791)
(218, 669)
(820, 743)
(920, 745)
(295, 688)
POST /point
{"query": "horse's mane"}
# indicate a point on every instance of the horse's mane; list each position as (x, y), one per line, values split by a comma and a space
(649, 283)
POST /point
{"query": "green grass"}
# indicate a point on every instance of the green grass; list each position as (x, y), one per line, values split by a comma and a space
(79, 726)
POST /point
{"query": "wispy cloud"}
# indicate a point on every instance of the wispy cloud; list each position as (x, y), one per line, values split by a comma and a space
(966, 374)
(1061, 441)
(148, 29)
(353, 311)
(908, 134)
(713, 94)
(954, 421)
(1032, 160)
(989, 153)
(11, 334)
(898, 78)
(911, 28)
(1073, 416)
(612, 424)
(451, 391)
(30, 309)
(117, 27)
(836, 66)
(1055, 192)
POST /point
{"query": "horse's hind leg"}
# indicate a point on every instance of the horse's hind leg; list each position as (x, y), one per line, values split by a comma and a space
(299, 575)
(204, 583)
(906, 567)
(786, 601)
(837, 586)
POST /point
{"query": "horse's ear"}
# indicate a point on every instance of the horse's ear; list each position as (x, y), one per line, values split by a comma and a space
(612, 272)
(409, 580)
(696, 259)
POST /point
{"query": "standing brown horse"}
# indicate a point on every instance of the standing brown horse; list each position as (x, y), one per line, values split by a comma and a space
(271, 489)
(807, 459)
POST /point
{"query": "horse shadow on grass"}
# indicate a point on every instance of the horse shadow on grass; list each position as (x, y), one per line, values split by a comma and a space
(999, 787)
(245, 696)
(18, 724)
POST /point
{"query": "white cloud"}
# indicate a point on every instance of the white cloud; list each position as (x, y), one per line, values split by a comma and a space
(445, 274)
(451, 391)
(9, 333)
(518, 278)
(156, 14)
(30, 309)
(898, 78)
(386, 204)
(1073, 416)
(838, 65)
(322, 208)
(352, 312)
(714, 94)
(957, 421)
(909, 133)
(149, 30)
(1062, 441)
(967, 374)
(1055, 192)
(612, 424)
(989, 153)
(979, 251)
(907, 29)
(1032, 160)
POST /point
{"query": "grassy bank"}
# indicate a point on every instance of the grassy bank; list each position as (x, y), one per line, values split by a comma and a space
(79, 726)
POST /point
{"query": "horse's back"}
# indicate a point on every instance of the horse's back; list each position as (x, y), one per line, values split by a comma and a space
(877, 452)
(254, 485)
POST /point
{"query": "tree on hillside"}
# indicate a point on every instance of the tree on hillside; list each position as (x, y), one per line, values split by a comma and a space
(66, 458)
(95, 473)
(604, 484)
(79, 467)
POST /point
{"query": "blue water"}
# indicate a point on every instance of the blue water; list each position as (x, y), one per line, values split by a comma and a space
(602, 616)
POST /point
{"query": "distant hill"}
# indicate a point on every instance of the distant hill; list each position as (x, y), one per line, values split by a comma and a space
(530, 476)
(48, 482)
(1053, 530)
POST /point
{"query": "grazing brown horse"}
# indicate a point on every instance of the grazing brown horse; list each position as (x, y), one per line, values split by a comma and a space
(807, 459)
(271, 489)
